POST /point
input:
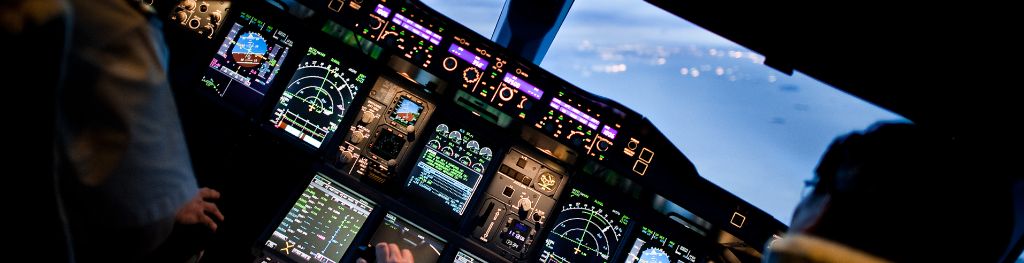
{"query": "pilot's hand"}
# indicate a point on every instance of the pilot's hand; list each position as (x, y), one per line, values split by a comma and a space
(390, 253)
(195, 211)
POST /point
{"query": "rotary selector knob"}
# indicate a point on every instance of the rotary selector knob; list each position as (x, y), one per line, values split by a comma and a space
(525, 206)
(375, 23)
(215, 17)
(450, 63)
(367, 117)
(602, 145)
(179, 16)
(346, 156)
(471, 75)
(188, 5)
(357, 137)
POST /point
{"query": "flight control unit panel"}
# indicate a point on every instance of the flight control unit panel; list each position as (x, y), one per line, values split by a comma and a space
(430, 136)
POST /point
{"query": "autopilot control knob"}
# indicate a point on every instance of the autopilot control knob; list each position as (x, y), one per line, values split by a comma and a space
(392, 163)
(179, 16)
(375, 23)
(602, 145)
(188, 5)
(215, 17)
(357, 137)
(208, 29)
(346, 156)
(367, 117)
(410, 129)
(525, 206)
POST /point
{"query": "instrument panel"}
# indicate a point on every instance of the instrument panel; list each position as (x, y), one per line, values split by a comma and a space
(386, 128)
(366, 90)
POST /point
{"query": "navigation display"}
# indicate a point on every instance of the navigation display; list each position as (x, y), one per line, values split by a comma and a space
(585, 231)
(317, 97)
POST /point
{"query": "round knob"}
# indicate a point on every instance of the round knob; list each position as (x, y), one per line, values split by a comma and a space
(471, 75)
(410, 129)
(357, 137)
(204, 7)
(179, 16)
(188, 5)
(602, 145)
(367, 117)
(346, 157)
(525, 205)
(506, 93)
(215, 17)
(450, 63)
(392, 163)
(375, 23)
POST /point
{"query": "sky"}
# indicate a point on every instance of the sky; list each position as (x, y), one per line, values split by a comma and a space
(754, 131)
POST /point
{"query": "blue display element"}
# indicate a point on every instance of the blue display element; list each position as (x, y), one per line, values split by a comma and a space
(407, 113)
(654, 255)
(382, 10)
(468, 56)
(417, 29)
(574, 113)
(250, 49)
(523, 86)
(609, 132)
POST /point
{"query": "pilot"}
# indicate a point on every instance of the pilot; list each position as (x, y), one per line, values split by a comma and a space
(125, 177)
(898, 193)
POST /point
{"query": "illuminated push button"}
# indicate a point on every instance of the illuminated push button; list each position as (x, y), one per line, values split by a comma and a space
(646, 155)
(738, 219)
(375, 23)
(508, 191)
(640, 168)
